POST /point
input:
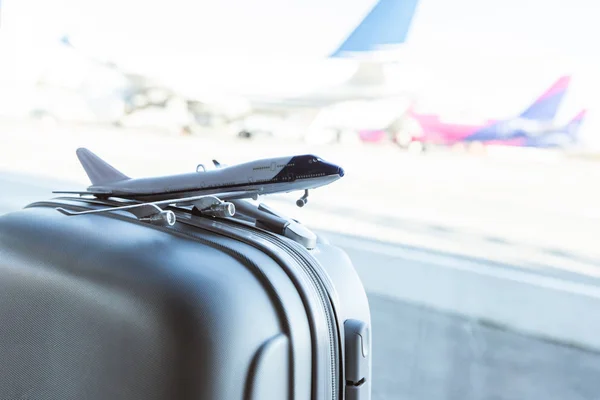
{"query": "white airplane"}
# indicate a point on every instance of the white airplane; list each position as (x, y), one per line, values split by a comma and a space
(207, 190)
(354, 70)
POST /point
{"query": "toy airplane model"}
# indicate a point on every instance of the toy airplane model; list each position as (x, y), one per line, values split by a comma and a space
(207, 190)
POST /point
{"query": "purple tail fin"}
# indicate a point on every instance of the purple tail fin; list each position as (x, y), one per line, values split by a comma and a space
(573, 126)
(547, 105)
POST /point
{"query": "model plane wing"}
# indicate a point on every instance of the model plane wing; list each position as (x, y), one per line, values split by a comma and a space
(82, 192)
(211, 204)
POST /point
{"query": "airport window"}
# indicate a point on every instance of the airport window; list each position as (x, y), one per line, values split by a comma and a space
(500, 125)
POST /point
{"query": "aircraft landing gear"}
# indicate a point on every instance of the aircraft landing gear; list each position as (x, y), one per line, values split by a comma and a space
(301, 202)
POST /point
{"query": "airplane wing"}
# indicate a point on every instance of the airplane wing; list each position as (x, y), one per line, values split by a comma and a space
(212, 204)
(139, 210)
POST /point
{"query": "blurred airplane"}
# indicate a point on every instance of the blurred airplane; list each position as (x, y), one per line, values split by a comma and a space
(354, 70)
(49, 82)
(554, 137)
(529, 126)
(370, 47)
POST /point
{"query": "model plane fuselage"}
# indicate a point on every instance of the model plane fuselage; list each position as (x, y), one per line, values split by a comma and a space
(207, 191)
(283, 174)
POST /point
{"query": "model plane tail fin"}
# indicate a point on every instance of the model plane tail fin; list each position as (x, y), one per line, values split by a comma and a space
(98, 170)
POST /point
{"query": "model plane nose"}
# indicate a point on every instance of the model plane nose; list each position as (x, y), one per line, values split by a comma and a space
(340, 171)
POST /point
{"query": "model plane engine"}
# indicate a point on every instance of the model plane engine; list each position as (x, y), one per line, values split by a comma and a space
(166, 217)
(223, 210)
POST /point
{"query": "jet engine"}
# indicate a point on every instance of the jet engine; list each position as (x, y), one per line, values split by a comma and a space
(224, 209)
(162, 218)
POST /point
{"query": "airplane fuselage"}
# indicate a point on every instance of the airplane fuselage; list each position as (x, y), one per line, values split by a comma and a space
(267, 176)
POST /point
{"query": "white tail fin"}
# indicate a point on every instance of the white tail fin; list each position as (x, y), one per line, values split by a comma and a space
(98, 170)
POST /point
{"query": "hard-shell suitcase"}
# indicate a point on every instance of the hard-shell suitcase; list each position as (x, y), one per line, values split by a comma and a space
(105, 306)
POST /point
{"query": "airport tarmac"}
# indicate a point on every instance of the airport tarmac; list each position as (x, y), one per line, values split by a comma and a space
(468, 260)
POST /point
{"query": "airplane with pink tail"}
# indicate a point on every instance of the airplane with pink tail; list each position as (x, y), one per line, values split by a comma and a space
(534, 127)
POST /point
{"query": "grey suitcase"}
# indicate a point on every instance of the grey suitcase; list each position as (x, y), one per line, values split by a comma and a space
(104, 306)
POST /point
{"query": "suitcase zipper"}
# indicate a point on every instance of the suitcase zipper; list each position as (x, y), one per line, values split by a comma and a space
(325, 296)
(319, 279)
